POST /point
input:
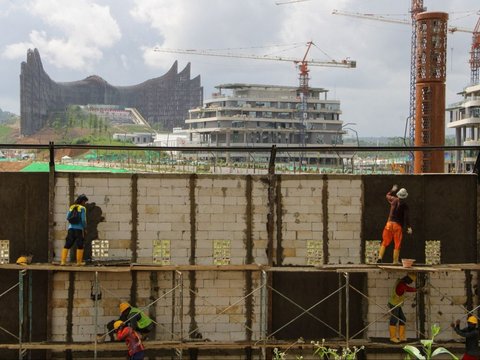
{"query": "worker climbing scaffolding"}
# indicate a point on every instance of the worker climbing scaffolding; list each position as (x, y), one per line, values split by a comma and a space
(397, 317)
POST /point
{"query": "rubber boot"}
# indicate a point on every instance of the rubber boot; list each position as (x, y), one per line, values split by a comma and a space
(393, 334)
(63, 259)
(401, 333)
(381, 252)
(396, 255)
(80, 261)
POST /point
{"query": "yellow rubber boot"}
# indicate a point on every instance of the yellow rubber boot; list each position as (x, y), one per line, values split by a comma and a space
(381, 252)
(63, 259)
(80, 257)
(396, 255)
(401, 333)
(393, 334)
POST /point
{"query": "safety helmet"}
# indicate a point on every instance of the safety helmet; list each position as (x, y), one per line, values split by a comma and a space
(412, 276)
(117, 324)
(22, 260)
(472, 320)
(81, 198)
(402, 193)
(123, 306)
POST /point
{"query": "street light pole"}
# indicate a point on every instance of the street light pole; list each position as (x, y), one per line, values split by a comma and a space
(358, 145)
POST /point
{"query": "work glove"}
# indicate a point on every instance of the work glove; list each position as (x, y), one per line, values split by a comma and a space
(409, 231)
(395, 188)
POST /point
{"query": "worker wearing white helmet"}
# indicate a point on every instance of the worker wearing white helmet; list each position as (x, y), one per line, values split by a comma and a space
(397, 219)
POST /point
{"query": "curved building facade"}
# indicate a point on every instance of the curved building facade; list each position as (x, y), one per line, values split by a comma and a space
(163, 100)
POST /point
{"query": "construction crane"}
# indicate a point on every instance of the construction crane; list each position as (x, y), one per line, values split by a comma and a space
(475, 54)
(302, 65)
(416, 8)
(377, 17)
(345, 63)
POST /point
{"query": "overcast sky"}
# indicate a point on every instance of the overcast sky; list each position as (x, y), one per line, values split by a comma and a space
(115, 40)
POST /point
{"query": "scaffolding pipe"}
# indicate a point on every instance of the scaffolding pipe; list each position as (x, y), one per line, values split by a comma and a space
(180, 275)
(263, 310)
(30, 309)
(20, 312)
(339, 304)
(347, 306)
(96, 314)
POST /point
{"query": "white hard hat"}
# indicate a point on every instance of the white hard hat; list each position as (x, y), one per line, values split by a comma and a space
(402, 193)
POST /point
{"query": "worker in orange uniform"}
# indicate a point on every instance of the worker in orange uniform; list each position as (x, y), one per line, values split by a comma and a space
(397, 219)
(397, 298)
(470, 333)
(132, 339)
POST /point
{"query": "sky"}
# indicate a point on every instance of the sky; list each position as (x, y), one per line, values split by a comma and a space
(115, 39)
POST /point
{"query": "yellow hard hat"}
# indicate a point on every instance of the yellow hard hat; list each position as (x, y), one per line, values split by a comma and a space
(22, 260)
(123, 306)
(117, 324)
(473, 320)
(412, 276)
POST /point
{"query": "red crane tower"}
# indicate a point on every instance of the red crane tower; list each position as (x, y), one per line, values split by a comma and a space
(475, 55)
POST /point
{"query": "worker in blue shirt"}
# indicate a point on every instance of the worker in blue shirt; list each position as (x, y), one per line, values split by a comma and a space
(77, 222)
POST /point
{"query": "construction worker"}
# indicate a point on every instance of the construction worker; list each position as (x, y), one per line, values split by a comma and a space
(470, 333)
(77, 222)
(136, 318)
(132, 339)
(397, 219)
(397, 297)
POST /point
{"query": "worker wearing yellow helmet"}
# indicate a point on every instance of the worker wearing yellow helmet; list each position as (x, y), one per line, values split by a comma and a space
(132, 339)
(135, 318)
(24, 260)
(471, 335)
(397, 298)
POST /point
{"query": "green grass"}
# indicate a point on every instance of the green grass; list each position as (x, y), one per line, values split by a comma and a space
(44, 167)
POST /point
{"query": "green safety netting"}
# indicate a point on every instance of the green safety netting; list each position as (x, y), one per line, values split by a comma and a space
(43, 167)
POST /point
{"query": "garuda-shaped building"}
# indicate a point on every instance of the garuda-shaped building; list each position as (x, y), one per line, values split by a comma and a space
(165, 99)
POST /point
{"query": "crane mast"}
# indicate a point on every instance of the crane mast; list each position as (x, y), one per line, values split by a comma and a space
(417, 7)
(475, 55)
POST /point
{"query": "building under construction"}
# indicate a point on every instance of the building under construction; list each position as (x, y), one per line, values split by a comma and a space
(163, 101)
(230, 267)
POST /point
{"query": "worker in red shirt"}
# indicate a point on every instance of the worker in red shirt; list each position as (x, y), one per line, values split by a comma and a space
(397, 317)
(132, 339)
(397, 219)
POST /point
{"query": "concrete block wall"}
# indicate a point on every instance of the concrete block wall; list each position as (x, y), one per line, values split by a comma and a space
(302, 217)
(260, 209)
(164, 214)
(112, 195)
(220, 306)
(344, 221)
(164, 210)
(446, 298)
(221, 212)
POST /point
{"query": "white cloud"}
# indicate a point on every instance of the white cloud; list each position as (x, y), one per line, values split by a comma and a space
(75, 34)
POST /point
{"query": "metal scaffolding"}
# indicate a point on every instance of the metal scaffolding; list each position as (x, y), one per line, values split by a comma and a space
(180, 341)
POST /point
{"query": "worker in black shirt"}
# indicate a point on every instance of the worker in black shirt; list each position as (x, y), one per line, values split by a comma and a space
(470, 333)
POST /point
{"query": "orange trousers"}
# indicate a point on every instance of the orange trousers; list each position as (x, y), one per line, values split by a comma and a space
(392, 231)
